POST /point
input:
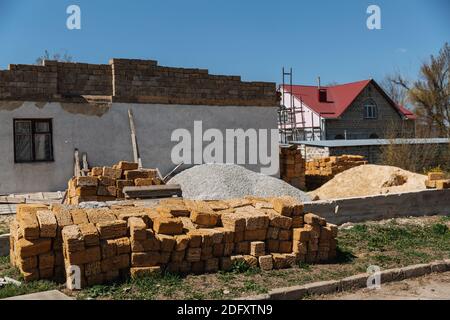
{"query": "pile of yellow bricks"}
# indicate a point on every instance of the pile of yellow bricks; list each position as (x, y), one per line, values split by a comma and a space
(320, 171)
(175, 235)
(437, 180)
(107, 183)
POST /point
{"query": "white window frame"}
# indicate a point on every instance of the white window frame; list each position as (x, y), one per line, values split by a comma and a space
(370, 110)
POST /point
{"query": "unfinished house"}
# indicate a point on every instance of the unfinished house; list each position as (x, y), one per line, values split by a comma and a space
(357, 110)
(48, 111)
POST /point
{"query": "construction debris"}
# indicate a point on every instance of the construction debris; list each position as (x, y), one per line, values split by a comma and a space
(227, 181)
(7, 280)
(320, 171)
(107, 183)
(181, 236)
(157, 191)
(292, 167)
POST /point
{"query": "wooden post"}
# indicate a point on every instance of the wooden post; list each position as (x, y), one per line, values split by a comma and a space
(85, 164)
(76, 169)
(134, 144)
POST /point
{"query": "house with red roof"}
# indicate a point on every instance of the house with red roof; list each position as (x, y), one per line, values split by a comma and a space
(357, 110)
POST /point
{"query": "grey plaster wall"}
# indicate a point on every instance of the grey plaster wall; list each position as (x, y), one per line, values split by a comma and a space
(103, 132)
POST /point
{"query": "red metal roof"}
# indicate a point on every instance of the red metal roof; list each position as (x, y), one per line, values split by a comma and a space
(339, 98)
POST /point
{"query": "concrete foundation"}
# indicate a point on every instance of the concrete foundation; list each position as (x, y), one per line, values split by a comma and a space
(419, 203)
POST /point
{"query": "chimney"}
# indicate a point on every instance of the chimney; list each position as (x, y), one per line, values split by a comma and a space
(321, 92)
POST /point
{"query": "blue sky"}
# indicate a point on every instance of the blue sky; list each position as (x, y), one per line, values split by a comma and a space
(252, 38)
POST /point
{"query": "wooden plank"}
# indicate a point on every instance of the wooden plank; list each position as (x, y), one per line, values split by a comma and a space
(169, 175)
(158, 191)
(7, 200)
(6, 209)
(134, 143)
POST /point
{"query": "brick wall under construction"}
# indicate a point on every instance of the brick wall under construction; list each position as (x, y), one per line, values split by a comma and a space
(181, 236)
(292, 166)
(129, 80)
(320, 171)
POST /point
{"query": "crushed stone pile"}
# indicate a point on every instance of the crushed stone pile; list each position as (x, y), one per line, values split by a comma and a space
(227, 181)
(369, 180)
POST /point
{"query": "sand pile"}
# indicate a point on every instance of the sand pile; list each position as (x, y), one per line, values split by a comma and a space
(368, 180)
(226, 181)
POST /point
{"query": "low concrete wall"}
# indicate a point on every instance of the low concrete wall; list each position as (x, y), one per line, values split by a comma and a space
(419, 203)
(4, 245)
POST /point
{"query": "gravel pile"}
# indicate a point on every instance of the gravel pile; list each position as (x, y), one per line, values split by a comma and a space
(226, 181)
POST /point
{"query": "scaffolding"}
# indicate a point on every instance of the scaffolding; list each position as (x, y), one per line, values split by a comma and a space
(291, 119)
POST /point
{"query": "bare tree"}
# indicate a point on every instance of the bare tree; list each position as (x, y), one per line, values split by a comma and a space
(411, 156)
(398, 93)
(56, 56)
(431, 93)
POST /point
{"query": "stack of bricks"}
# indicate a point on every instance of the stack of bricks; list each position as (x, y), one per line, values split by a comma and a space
(99, 248)
(177, 236)
(320, 171)
(34, 243)
(292, 166)
(437, 180)
(107, 183)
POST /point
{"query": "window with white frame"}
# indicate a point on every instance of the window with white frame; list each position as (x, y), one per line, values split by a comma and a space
(370, 110)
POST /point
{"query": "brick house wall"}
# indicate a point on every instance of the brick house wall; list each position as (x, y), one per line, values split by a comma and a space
(87, 106)
(133, 81)
(355, 126)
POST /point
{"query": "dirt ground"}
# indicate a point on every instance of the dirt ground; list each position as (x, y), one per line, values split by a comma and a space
(430, 287)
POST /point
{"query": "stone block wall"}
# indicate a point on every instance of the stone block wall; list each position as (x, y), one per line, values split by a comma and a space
(28, 82)
(136, 81)
(292, 166)
(76, 79)
(320, 171)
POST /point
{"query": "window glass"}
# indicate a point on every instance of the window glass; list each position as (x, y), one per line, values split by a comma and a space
(370, 110)
(42, 147)
(23, 127)
(41, 126)
(23, 148)
(33, 140)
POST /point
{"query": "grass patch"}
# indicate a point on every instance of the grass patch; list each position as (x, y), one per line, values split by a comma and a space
(145, 288)
(4, 228)
(26, 288)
